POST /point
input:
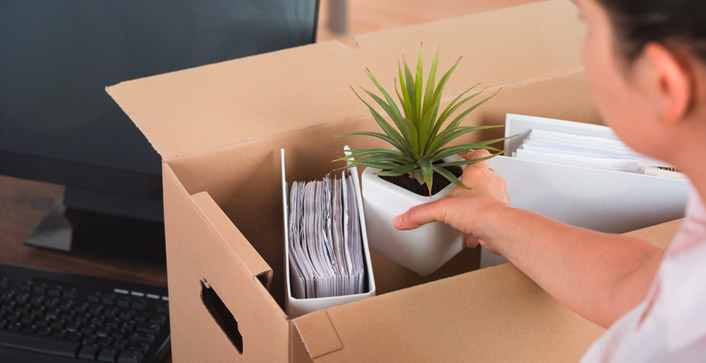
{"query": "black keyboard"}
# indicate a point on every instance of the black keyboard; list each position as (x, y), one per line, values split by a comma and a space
(48, 316)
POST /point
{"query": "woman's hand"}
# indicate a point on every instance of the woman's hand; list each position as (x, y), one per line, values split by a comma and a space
(471, 210)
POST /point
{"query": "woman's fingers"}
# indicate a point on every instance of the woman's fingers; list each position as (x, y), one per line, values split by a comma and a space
(419, 215)
(470, 241)
(435, 211)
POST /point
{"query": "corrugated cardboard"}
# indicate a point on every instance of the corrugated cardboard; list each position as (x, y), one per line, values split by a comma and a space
(219, 129)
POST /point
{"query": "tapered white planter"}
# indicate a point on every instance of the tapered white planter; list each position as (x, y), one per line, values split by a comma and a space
(422, 250)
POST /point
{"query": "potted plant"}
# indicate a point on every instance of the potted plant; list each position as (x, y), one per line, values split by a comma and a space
(419, 168)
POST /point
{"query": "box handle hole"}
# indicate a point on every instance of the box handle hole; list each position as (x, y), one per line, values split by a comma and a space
(221, 315)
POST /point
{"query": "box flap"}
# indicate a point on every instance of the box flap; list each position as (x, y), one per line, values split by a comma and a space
(219, 222)
(212, 106)
(494, 314)
(322, 336)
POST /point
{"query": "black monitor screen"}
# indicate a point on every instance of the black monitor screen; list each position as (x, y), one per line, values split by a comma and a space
(57, 56)
(58, 124)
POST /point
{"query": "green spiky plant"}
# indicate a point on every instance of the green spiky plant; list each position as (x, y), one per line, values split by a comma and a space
(420, 137)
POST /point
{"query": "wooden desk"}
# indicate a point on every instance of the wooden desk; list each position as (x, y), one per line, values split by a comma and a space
(23, 204)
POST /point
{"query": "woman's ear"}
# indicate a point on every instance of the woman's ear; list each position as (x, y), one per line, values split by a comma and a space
(670, 82)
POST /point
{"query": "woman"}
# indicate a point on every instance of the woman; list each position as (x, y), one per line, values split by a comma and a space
(646, 64)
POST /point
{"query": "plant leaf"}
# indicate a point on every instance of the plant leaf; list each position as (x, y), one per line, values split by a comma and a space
(451, 150)
(427, 172)
(418, 176)
(401, 143)
(409, 85)
(463, 114)
(392, 113)
(418, 90)
(449, 176)
(384, 137)
(457, 149)
(442, 82)
(471, 161)
(402, 170)
(382, 90)
(452, 107)
(429, 92)
(404, 96)
(354, 153)
(447, 135)
(373, 164)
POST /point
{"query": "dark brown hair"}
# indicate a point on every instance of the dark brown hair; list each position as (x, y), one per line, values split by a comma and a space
(674, 23)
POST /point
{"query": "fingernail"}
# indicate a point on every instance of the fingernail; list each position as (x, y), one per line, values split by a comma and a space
(397, 222)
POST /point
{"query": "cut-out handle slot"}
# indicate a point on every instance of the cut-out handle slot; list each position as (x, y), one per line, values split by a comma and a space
(220, 313)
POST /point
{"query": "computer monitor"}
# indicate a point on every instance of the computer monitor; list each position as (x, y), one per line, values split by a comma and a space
(57, 124)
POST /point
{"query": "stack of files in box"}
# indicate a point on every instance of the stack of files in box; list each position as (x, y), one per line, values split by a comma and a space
(598, 152)
(325, 242)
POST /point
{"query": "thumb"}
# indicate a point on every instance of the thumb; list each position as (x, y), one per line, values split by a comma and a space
(419, 215)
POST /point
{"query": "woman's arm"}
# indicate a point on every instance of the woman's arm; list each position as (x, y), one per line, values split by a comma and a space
(600, 276)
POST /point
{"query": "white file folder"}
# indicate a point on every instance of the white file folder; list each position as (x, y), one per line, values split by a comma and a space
(297, 307)
(602, 200)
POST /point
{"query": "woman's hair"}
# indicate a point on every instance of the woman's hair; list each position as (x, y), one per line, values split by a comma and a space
(674, 23)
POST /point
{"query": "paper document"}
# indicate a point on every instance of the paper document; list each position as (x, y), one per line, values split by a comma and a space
(325, 242)
(607, 153)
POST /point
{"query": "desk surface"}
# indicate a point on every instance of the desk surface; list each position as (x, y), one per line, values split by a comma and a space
(23, 204)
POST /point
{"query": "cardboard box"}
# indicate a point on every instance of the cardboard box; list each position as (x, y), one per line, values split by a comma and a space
(219, 129)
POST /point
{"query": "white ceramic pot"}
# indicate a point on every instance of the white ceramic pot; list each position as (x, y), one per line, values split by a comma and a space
(422, 250)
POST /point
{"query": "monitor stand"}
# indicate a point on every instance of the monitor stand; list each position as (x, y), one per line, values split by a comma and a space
(98, 234)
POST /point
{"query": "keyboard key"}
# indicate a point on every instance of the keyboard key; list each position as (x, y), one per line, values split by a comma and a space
(141, 347)
(41, 344)
(148, 328)
(130, 356)
(52, 302)
(54, 292)
(88, 352)
(73, 327)
(74, 336)
(108, 301)
(103, 332)
(70, 294)
(27, 319)
(45, 331)
(108, 354)
(88, 330)
(106, 341)
(138, 306)
(91, 339)
(160, 319)
(143, 337)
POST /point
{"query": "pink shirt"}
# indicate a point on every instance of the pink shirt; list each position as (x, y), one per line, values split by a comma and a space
(670, 325)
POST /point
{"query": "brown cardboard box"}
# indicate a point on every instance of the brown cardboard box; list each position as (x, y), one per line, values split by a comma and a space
(219, 129)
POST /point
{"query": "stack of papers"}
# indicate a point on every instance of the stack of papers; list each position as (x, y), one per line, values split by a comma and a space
(325, 241)
(588, 151)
